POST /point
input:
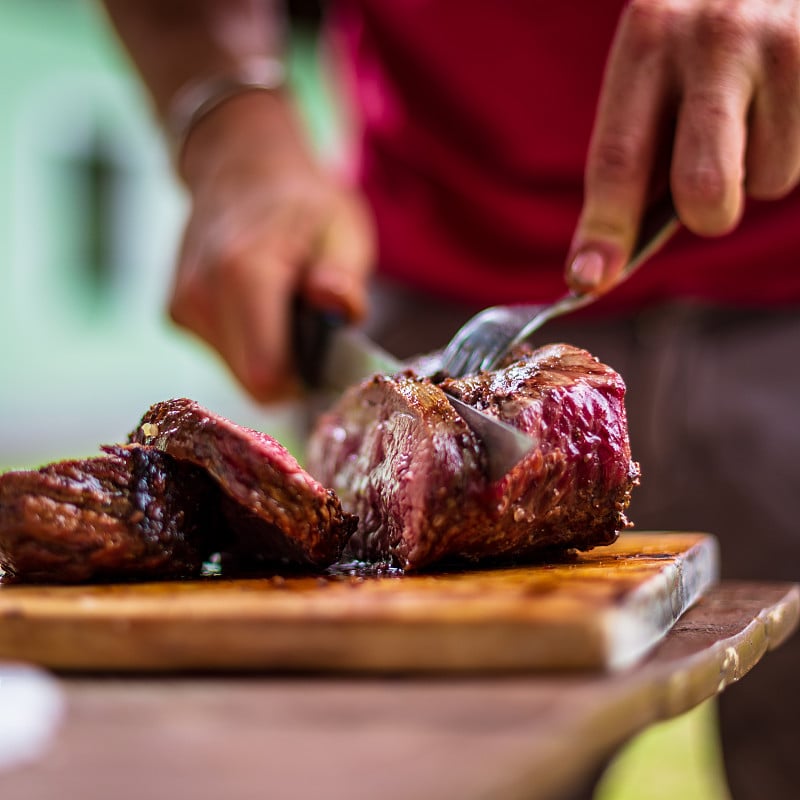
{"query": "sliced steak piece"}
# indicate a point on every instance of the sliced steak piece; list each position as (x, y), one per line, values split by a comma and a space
(132, 513)
(401, 459)
(277, 511)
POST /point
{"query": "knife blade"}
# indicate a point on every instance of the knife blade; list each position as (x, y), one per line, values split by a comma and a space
(333, 356)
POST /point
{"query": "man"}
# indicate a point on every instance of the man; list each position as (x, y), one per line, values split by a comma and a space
(492, 144)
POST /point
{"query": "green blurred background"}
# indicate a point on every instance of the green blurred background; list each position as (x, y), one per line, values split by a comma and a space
(90, 220)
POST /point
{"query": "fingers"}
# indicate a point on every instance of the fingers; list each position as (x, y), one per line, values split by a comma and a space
(236, 298)
(707, 174)
(337, 273)
(738, 127)
(621, 154)
(254, 308)
(728, 73)
(717, 72)
(773, 148)
(236, 282)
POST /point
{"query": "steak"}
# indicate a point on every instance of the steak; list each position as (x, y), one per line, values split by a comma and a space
(134, 512)
(189, 484)
(275, 509)
(407, 465)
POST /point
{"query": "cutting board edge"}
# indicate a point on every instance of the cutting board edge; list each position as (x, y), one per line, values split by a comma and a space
(155, 643)
(315, 647)
(676, 590)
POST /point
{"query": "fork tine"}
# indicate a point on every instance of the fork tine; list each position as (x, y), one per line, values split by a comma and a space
(456, 364)
(474, 354)
(481, 342)
(493, 347)
(478, 343)
(490, 358)
(456, 353)
(471, 362)
(469, 350)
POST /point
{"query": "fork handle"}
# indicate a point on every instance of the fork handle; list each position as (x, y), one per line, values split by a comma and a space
(659, 223)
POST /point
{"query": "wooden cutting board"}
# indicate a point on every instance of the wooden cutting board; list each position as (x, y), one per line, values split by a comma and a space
(599, 610)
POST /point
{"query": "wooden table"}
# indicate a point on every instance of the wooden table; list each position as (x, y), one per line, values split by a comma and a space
(526, 736)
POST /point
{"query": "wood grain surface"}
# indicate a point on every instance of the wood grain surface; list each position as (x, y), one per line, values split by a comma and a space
(603, 609)
(536, 736)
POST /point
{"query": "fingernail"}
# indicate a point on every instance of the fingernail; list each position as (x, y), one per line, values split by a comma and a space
(587, 268)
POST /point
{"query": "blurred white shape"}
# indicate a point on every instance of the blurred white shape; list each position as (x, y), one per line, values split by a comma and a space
(31, 710)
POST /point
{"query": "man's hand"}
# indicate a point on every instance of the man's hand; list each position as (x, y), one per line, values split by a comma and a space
(265, 224)
(714, 87)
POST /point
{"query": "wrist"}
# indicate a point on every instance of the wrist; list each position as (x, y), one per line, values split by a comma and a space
(251, 131)
(233, 112)
(198, 97)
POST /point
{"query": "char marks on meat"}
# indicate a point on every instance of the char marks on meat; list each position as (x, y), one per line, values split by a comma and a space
(189, 484)
(407, 465)
(276, 509)
(134, 512)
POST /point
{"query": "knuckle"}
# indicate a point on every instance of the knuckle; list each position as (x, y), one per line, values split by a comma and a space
(649, 24)
(781, 50)
(190, 287)
(257, 386)
(722, 28)
(265, 386)
(187, 316)
(176, 308)
(229, 268)
(177, 313)
(702, 186)
(710, 108)
(617, 159)
(182, 303)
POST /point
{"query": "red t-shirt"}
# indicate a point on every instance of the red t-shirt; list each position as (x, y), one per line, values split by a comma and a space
(473, 120)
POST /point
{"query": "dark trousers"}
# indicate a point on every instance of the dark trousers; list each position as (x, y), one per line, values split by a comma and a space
(713, 407)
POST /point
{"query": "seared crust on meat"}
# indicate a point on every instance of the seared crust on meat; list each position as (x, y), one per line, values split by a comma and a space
(134, 512)
(406, 464)
(279, 511)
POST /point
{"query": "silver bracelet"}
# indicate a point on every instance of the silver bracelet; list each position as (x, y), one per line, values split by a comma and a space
(198, 97)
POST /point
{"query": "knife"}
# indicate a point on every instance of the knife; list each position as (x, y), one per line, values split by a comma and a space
(333, 356)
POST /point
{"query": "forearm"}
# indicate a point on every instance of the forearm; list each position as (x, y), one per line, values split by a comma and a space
(173, 42)
(176, 43)
(266, 223)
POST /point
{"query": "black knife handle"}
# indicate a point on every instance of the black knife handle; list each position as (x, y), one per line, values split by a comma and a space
(311, 332)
